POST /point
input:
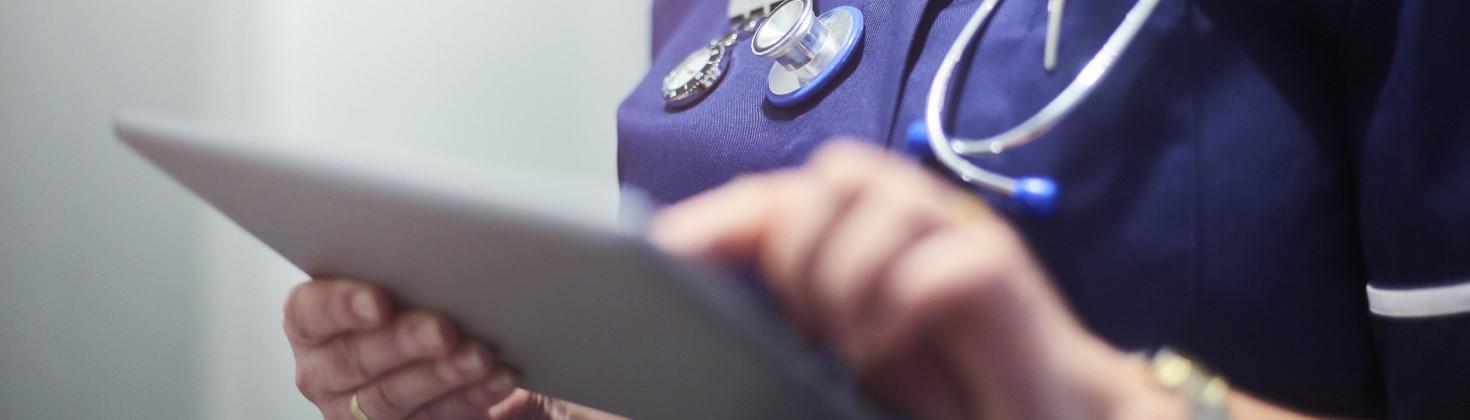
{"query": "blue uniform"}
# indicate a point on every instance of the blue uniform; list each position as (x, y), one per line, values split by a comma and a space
(1231, 188)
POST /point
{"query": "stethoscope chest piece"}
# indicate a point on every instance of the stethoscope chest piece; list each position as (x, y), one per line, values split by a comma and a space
(809, 50)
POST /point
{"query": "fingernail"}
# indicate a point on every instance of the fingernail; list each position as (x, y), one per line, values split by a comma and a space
(470, 361)
(461, 368)
(430, 336)
(502, 384)
(365, 305)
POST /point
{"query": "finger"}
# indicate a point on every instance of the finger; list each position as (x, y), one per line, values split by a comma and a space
(808, 204)
(918, 274)
(352, 360)
(523, 404)
(957, 270)
(844, 159)
(804, 207)
(889, 217)
(724, 224)
(319, 310)
(920, 383)
(469, 402)
(403, 392)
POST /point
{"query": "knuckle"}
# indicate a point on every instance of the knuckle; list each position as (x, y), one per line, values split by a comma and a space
(793, 187)
(843, 149)
(349, 360)
(329, 413)
(947, 285)
(387, 400)
(992, 275)
(843, 170)
(900, 181)
(1006, 247)
(293, 332)
(751, 181)
(306, 385)
(903, 207)
(429, 414)
(929, 276)
(846, 155)
(895, 200)
(478, 396)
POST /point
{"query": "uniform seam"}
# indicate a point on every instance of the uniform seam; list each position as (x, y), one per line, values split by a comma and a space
(911, 62)
(1195, 265)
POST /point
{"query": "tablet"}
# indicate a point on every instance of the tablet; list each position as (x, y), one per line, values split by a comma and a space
(579, 302)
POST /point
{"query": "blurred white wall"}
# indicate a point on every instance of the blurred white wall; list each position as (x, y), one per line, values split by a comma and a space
(123, 297)
(99, 283)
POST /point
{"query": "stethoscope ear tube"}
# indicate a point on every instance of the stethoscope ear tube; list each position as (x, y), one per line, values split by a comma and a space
(1032, 195)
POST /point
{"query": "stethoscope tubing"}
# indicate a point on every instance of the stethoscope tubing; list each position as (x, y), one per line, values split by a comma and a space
(953, 152)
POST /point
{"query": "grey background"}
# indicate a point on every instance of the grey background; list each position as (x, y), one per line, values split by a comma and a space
(96, 308)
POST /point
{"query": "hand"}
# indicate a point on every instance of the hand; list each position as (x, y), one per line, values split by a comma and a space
(348, 341)
(932, 299)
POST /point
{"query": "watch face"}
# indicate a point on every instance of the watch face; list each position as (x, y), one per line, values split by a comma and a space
(696, 75)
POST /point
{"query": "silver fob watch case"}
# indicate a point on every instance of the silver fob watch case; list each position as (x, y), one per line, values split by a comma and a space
(697, 75)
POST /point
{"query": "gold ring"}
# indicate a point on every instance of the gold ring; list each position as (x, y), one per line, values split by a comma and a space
(356, 410)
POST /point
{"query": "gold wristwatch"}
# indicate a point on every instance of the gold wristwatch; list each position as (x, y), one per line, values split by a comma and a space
(1206, 391)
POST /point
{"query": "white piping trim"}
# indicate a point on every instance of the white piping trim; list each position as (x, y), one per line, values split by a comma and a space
(1420, 302)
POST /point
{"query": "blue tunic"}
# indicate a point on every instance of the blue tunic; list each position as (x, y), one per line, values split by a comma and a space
(1231, 188)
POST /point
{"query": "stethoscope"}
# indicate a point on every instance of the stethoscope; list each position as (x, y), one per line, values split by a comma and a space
(809, 50)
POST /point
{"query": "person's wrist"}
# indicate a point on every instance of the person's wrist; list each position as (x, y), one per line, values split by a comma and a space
(1138, 395)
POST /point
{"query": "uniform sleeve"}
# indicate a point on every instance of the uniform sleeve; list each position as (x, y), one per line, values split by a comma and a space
(1410, 88)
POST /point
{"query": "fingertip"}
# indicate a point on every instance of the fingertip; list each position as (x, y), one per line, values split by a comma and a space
(667, 233)
(518, 404)
(847, 145)
(847, 150)
(719, 225)
(432, 335)
(480, 396)
(502, 382)
(499, 387)
(319, 309)
(367, 306)
(350, 303)
(469, 364)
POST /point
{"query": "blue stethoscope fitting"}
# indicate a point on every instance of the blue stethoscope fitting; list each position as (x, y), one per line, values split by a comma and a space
(1032, 195)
